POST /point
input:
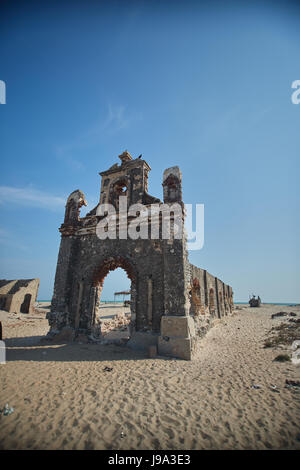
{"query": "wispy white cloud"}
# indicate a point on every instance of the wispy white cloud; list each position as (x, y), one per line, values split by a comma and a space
(117, 118)
(30, 197)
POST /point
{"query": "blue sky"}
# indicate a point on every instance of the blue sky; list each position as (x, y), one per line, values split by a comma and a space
(202, 85)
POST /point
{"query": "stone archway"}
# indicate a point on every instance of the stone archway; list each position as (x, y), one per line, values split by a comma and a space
(26, 304)
(106, 266)
(110, 264)
(196, 304)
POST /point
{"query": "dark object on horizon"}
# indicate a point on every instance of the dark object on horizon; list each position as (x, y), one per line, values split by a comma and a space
(0, 330)
(278, 314)
(140, 156)
(255, 302)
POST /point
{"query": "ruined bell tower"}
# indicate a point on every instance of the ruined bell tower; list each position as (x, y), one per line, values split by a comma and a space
(166, 310)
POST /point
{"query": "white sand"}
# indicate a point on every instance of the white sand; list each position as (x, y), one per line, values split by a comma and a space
(63, 398)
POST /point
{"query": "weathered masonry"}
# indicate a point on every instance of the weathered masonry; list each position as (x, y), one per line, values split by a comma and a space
(173, 303)
(18, 295)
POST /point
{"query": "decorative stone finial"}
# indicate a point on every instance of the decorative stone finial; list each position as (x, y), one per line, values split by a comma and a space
(125, 157)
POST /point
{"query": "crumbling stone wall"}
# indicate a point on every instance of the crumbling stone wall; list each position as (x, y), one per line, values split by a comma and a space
(211, 299)
(18, 295)
(168, 294)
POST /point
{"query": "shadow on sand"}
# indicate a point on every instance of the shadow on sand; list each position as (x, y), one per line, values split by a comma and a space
(31, 348)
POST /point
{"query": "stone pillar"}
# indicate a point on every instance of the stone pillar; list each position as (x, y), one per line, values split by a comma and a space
(205, 289)
(58, 317)
(217, 298)
(177, 337)
(78, 308)
(92, 307)
(62, 284)
(175, 279)
(149, 306)
(61, 310)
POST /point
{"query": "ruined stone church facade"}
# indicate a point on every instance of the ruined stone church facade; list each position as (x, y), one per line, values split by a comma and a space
(173, 303)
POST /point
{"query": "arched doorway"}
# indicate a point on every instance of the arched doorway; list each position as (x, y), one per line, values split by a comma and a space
(114, 321)
(196, 304)
(26, 304)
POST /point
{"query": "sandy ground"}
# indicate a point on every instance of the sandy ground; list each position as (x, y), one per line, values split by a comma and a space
(64, 399)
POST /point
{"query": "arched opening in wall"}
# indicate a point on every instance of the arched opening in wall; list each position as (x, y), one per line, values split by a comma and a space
(119, 188)
(196, 305)
(227, 308)
(114, 315)
(231, 303)
(211, 302)
(26, 304)
(171, 185)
